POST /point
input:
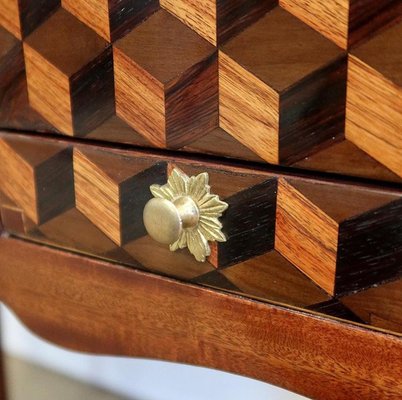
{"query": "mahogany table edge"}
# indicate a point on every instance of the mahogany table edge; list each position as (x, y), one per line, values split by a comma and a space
(127, 312)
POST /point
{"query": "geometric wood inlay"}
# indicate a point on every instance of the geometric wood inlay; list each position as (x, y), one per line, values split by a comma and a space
(345, 22)
(217, 20)
(37, 178)
(340, 240)
(109, 18)
(285, 83)
(374, 100)
(108, 192)
(69, 74)
(166, 81)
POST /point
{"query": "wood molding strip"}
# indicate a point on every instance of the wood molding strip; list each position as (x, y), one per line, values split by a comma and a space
(93, 306)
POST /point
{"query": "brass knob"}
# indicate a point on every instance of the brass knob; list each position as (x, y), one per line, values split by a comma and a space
(183, 213)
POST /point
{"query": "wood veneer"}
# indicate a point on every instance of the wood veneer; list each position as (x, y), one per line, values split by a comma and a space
(218, 20)
(344, 237)
(345, 22)
(69, 74)
(374, 100)
(380, 306)
(303, 79)
(21, 17)
(166, 81)
(108, 18)
(322, 232)
(194, 325)
(269, 78)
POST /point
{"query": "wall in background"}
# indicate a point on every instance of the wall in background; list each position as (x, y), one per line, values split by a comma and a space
(135, 378)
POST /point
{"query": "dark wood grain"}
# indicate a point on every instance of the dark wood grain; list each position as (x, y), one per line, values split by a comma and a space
(312, 113)
(379, 306)
(135, 314)
(345, 22)
(326, 234)
(269, 276)
(166, 82)
(70, 74)
(21, 17)
(218, 20)
(249, 225)
(377, 251)
(343, 236)
(111, 19)
(11, 59)
(337, 309)
(284, 83)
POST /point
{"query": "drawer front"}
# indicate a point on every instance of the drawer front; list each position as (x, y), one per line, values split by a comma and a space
(297, 84)
(322, 245)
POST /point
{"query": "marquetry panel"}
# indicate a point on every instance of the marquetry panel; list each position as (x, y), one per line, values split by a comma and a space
(110, 192)
(291, 240)
(374, 100)
(379, 306)
(245, 79)
(166, 81)
(343, 21)
(11, 58)
(69, 74)
(217, 20)
(37, 178)
(108, 18)
(343, 240)
(21, 17)
(269, 90)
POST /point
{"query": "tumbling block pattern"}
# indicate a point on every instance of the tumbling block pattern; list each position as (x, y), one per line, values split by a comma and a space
(217, 20)
(38, 179)
(242, 78)
(379, 306)
(343, 21)
(111, 194)
(166, 81)
(21, 17)
(69, 74)
(169, 68)
(291, 240)
(281, 88)
(341, 242)
(268, 276)
(374, 99)
(249, 225)
(11, 58)
(109, 18)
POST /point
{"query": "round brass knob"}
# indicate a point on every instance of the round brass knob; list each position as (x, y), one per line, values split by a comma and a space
(165, 220)
(184, 213)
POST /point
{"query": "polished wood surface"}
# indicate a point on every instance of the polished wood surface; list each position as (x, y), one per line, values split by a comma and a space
(267, 76)
(69, 74)
(108, 18)
(21, 17)
(218, 20)
(131, 313)
(154, 75)
(165, 89)
(328, 238)
(345, 22)
(377, 81)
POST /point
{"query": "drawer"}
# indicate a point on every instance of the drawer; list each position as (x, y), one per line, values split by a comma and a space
(296, 85)
(324, 245)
